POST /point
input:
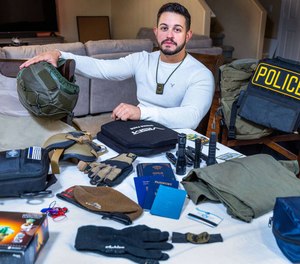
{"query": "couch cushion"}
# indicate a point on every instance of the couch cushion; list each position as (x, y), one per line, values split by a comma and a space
(147, 33)
(106, 94)
(82, 107)
(94, 47)
(26, 52)
(2, 54)
(199, 43)
(212, 50)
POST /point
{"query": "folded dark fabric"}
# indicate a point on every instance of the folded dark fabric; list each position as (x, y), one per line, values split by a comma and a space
(248, 186)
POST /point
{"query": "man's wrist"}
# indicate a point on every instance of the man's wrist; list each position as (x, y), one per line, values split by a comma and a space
(58, 53)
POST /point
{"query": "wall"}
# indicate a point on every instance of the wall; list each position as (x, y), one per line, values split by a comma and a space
(244, 25)
(273, 15)
(128, 16)
(273, 8)
(69, 9)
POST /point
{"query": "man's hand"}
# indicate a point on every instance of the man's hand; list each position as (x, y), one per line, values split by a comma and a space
(49, 56)
(126, 112)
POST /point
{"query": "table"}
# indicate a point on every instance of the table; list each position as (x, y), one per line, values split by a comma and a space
(249, 243)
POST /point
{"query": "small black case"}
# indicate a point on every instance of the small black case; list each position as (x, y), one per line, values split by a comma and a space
(141, 137)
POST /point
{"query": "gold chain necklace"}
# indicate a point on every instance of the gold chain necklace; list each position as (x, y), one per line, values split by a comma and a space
(160, 86)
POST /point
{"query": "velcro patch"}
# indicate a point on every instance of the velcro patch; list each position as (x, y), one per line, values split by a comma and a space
(34, 153)
(277, 79)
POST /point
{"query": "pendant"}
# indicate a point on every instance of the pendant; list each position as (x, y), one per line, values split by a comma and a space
(160, 88)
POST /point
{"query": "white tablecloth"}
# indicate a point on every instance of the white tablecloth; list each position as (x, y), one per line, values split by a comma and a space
(243, 242)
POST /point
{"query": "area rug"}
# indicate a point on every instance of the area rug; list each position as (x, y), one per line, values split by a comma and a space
(92, 123)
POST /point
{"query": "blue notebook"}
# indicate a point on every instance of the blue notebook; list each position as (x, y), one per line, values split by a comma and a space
(146, 188)
(168, 202)
(153, 186)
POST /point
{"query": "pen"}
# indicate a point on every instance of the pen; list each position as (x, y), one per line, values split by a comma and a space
(202, 219)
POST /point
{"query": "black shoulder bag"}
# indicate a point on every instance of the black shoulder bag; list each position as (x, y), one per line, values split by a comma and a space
(25, 173)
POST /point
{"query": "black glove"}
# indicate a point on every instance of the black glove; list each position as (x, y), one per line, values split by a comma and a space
(140, 243)
(109, 172)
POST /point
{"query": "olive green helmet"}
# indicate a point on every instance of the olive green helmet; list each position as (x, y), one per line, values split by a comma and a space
(45, 92)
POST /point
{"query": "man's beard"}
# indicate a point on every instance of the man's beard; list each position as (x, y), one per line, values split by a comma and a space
(172, 52)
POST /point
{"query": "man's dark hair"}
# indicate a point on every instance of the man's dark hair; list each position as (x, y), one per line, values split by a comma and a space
(178, 9)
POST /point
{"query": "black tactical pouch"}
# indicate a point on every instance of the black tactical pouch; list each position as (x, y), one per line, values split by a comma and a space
(24, 172)
(143, 138)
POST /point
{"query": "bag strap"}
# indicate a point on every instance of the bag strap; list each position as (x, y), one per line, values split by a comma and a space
(54, 160)
(234, 111)
(50, 180)
(61, 144)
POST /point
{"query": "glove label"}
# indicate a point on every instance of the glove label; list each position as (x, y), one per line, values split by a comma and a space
(116, 249)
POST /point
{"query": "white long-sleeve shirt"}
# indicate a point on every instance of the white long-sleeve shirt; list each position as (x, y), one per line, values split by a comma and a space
(187, 95)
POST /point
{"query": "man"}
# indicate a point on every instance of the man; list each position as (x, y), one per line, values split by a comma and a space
(173, 88)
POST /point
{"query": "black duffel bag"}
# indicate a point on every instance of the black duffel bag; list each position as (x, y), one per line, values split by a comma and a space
(142, 138)
(272, 98)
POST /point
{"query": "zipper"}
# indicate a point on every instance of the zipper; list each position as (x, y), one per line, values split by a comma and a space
(289, 240)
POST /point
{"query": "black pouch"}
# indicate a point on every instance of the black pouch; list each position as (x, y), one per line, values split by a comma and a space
(142, 138)
(286, 226)
(272, 98)
(24, 173)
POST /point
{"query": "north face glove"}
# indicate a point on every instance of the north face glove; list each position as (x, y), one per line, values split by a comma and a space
(140, 243)
(109, 172)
